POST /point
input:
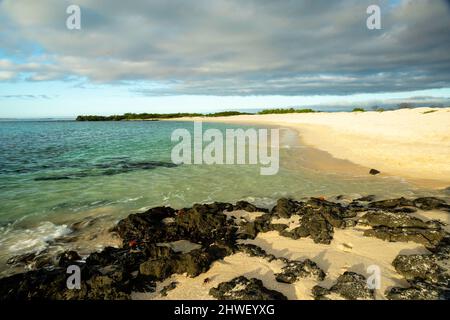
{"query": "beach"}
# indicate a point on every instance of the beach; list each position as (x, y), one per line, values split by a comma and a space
(144, 228)
(408, 143)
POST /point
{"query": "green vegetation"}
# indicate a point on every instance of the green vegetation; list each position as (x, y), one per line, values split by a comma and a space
(378, 109)
(358, 110)
(290, 110)
(405, 105)
(429, 111)
(226, 114)
(155, 116)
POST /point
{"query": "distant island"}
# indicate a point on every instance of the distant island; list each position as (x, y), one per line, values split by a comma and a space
(160, 116)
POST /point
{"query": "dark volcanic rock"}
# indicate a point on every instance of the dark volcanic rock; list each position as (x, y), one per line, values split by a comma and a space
(392, 220)
(368, 198)
(114, 273)
(314, 225)
(51, 284)
(318, 217)
(391, 203)
(285, 208)
(427, 274)
(335, 213)
(424, 203)
(418, 291)
(427, 237)
(33, 260)
(260, 224)
(147, 226)
(244, 205)
(241, 288)
(430, 203)
(168, 288)
(294, 270)
(68, 258)
(255, 251)
(350, 286)
(399, 226)
(193, 263)
(421, 267)
(374, 172)
(205, 224)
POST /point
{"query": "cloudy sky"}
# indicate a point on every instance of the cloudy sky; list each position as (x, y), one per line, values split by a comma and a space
(206, 55)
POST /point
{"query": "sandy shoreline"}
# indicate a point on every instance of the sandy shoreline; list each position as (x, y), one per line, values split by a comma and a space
(349, 250)
(409, 143)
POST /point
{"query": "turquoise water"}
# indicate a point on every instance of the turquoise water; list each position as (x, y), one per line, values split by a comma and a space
(62, 183)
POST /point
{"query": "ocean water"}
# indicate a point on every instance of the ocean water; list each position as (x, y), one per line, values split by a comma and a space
(64, 183)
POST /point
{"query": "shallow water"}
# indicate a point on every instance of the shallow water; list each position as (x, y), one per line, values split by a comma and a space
(62, 184)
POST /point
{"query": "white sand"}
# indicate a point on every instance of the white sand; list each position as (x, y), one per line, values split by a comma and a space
(221, 271)
(349, 251)
(408, 143)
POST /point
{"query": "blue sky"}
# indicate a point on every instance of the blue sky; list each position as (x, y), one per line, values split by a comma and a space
(203, 56)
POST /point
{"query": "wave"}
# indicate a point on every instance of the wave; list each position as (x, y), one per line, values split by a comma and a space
(18, 241)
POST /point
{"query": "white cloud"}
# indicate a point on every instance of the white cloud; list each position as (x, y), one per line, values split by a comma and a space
(232, 47)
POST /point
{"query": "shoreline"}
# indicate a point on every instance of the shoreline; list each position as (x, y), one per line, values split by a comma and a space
(409, 143)
(298, 250)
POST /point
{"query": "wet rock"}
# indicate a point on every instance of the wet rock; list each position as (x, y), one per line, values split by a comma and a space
(32, 260)
(391, 203)
(285, 208)
(374, 172)
(244, 205)
(418, 291)
(241, 288)
(205, 224)
(350, 286)
(147, 226)
(68, 258)
(295, 270)
(114, 273)
(128, 259)
(368, 198)
(424, 203)
(51, 284)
